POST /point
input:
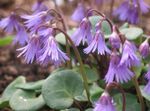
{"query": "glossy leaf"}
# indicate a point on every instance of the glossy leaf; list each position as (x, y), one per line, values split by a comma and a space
(60, 89)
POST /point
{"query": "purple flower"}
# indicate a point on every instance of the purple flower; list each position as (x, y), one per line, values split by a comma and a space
(22, 36)
(33, 21)
(83, 33)
(144, 48)
(147, 87)
(52, 53)
(114, 39)
(128, 11)
(39, 6)
(10, 24)
(120, 73)
(105, 103)
(144, 7)
(79, 13)
(30, 51)
(98, 43)
(129, 56)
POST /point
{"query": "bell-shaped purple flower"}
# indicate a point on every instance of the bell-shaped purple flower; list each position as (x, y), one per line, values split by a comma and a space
(105, 103)
(79, 13)
(52, 53)
(39, 6)
(114, 39)
(31, 51)
(128, 11)
(10, 23)
(33, 21)
(147, 87)
(144, 7)
(119, 73)
(129, 56)
(144, 48)
(97, 44)
(21, 36)
(83, 33)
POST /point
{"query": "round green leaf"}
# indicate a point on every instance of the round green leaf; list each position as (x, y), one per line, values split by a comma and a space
(31, 86)
(132, 33)
(26, 101)
(11, 88)
(92, 75)
(131, 102)
(144, 94)
(60, 88)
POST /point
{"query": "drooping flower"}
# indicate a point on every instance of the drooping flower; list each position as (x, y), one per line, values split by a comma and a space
(129, 56)
(79, 13)
(114, 39)
(105, 103)
(144, 48)
(52, 53)
(10, 23)
(128, 11)
(21, 36)
(97, 44)
(144, 7)
(31, 51)
(83, 33)
(119, 73)
(39, 6)
(147, 87)
(33, 21)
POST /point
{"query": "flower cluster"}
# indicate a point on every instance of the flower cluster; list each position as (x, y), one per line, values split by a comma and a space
(130, 10)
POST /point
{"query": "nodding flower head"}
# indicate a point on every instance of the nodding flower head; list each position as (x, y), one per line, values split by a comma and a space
(31, 51)
(10, 23)
(119, 73)
(33, 21)
(114, 39)
(129, 56)
(97, 44)
(128, 11)
(83, 33)
(79, 13)
(105, 103)
(51, 52)
(144, 48)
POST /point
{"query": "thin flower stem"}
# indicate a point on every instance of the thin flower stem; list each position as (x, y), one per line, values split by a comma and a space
(134, 79)
(65, 29)
(111, 7)
(112, 85)
(82, 70)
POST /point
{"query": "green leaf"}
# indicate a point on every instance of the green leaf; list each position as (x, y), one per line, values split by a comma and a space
(105, 25)
(6, 41)
(11, 89)
(92, 75)
(89, 109)
(95, 92)
(60, 89)
(144, 94)
(26, 101)
(3, 103)
(71, 109)
(31, 86)
(132, 33)
(61, 38)
(131, 102)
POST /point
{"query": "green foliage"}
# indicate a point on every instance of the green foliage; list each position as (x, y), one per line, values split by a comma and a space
(144, 94)
(6, 41)
(60, 89)
(71, 109)
(131, 102)
(26, 101)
